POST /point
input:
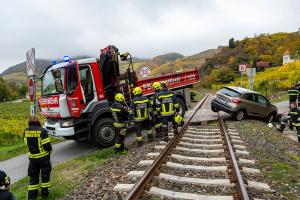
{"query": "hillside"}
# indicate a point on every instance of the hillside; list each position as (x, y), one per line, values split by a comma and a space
(17, 73)
(271, 80)
(264, 47)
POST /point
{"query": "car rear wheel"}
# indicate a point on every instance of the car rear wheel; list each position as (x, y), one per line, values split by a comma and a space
(270, 118)
(104, 133)
(214, 109)
(240, 115)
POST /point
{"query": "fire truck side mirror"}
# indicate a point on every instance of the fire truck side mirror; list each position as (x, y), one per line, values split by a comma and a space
(81, 101)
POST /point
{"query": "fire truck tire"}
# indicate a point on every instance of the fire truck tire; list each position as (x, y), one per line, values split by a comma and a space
(182, 106)
(103, 133)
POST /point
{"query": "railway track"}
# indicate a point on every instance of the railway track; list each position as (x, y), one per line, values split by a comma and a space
(200, 162)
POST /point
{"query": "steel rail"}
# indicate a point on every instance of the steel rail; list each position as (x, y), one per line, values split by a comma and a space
(237, 177)
(139, 187)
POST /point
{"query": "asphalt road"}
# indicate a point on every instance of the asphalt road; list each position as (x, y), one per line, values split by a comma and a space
(16, 167)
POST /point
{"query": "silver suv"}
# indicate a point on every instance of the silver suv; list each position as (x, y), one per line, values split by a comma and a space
(240, 102)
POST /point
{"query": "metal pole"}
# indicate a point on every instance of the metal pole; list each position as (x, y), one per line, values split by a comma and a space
(34, 98)
(241, 79)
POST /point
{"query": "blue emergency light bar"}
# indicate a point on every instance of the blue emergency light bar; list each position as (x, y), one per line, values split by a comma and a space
(66, 59)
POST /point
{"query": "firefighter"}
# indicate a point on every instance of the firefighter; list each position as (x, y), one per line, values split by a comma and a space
(140, 112)
(293, 119)
(293, 94)
(4, 187)
(156, 116)
(297, 86)
(39, 147)
(120, 116)
(167, 107)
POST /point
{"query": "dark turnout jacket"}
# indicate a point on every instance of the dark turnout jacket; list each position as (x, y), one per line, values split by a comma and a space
(37, 141)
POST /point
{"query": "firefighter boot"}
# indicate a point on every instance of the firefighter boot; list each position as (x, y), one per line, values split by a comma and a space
(158, 132)
(281, 128)
(140, 143)
(150, 136)
(165, 133)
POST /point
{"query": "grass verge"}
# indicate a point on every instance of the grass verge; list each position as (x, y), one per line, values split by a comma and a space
(281, 97)
(68, 175)
(8, 151)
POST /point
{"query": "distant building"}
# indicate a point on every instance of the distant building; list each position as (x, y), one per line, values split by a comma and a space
(286, 58)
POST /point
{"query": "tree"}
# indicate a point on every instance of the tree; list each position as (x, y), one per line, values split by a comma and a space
(231, 43)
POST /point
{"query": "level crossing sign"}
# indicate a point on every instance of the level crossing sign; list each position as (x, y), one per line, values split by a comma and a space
(30, 64)
(145, 72)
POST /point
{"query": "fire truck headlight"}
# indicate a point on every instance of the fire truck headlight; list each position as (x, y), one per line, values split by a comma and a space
(66, 124)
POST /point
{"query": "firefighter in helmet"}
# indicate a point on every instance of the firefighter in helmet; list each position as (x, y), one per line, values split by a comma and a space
(293, 94)
(4, 187)
(168, 109)
(39, 147)
(141, 113)
(156, 116)
(120, 116)
(292, 118)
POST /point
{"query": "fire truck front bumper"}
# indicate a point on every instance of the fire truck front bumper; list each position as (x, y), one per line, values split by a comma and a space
(55, 130)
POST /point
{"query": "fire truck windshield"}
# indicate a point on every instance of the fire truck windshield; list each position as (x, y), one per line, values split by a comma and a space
(52, 82)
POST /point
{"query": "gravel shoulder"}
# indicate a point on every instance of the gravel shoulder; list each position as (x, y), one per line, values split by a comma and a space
(100, 183)
(277, 156)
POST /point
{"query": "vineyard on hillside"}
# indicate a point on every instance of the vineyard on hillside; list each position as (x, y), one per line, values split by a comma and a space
(271, 80)
(13, 121)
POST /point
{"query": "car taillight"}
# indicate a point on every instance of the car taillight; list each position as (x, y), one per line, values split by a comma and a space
(237, 101)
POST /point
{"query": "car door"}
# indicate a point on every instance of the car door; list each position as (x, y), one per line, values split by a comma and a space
(249, 101)
(262, 106)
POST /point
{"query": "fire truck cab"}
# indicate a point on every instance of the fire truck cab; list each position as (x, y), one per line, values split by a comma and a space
(76, 95)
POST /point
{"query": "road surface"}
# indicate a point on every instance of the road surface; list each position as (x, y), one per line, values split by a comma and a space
(16, 167)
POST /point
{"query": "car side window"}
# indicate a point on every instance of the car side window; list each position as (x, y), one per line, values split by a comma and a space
(249, 97)
(262, 100)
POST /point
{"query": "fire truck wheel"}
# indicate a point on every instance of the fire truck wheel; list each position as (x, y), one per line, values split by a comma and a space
(182, 106)
(104, 132)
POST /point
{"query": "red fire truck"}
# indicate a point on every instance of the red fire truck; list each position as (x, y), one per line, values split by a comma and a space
(76, 95)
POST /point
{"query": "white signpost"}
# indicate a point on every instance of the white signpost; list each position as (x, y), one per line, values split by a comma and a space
(242, 69)
(145, 72)
(251, 73)
(30, 64)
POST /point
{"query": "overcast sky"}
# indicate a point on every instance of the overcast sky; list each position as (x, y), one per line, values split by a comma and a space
(144, 28)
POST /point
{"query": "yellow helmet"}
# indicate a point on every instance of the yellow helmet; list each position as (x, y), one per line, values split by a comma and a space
(178, 119)
(156, 85)
(137, 91)
(120, 97)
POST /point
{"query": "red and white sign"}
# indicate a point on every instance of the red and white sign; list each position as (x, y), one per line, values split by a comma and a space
(173, 81)
(242, 68)
(30, 57)
(49, 102)
(145, 72)
(31, 90)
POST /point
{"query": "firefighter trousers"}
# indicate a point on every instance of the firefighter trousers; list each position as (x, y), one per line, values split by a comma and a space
(37, 167)
(165, 125)
(143, 125)
(120, 137)
(283, 121)
(158, 125)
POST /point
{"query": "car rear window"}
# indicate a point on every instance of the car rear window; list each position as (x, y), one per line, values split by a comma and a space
(229, 92)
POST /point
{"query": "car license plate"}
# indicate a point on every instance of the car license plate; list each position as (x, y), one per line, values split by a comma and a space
(222, 101)
(52, 133)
